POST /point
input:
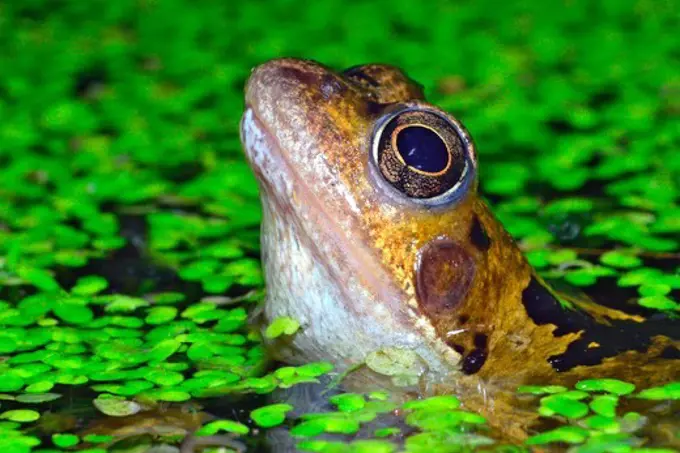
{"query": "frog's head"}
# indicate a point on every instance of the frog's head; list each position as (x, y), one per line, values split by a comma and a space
(374, 236)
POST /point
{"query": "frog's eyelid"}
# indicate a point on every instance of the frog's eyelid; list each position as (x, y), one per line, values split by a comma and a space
(356, 72)
(384, 83)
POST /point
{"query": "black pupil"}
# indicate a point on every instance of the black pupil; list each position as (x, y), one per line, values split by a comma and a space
(422, 149)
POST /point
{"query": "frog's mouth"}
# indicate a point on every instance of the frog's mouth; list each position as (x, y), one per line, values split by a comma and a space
(271, 163)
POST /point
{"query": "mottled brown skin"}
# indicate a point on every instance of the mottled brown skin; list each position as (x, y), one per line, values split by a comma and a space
(449, 275)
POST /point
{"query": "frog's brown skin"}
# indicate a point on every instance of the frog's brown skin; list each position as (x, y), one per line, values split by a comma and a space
(365, 268)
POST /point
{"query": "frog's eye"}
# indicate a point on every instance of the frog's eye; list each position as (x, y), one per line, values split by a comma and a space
(425, 155)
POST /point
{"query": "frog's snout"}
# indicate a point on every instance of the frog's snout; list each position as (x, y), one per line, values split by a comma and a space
(277, 80)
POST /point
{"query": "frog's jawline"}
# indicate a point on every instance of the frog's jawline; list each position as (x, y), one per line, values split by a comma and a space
(380, 315)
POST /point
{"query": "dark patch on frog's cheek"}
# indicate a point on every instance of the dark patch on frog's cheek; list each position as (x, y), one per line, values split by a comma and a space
(474, 361)
(444, 274)
(603, 341)
(544, 308)
(478, 235)
(670, 352)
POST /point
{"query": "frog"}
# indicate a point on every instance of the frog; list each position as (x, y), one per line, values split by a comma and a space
(376, 239)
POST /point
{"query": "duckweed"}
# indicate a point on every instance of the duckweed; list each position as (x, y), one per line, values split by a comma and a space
(116, 406)
(386, 432)
(217, 426)
(563, 405)
(442, 402)
(667, 392)
(326, 423)
(541, 389)
(613, 386)
(270, 416)
(20, 415)
(65, 440)
(604, 405)
(567, 434)
(282, 326)
(348, 402)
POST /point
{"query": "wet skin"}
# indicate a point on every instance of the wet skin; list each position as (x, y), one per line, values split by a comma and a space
(375, 238)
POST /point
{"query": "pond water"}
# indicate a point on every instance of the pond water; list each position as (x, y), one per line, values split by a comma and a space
(129, 221)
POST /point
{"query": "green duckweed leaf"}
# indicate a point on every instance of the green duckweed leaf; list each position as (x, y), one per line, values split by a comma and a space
(11, 383)
(541, 389)
(20, 415)
(41, 278)
(314, 369)
(603, 423)
(7, 345)
(659, 302)
(386, 432)
(34, 398)
(270, 416)
(613, 386)
(605, 405)
(228, 426)
(654, 289)
(348, 402)
(559, 404)
(443, 419)
(442, 402)
(90, 285)
(566, 434)
(169, 395)
(73, 312)
(669, 391)
(328, 423)
(372, 446)
(116, 406)
(39, 387)
(394, 362)
(323, 446)
(621, 259)
(641, 276)
(282, 326)
(164, 349)
(65, 440)
(97, 438)
(161, 315)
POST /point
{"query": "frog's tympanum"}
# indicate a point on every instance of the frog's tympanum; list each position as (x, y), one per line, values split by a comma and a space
(375, 239)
